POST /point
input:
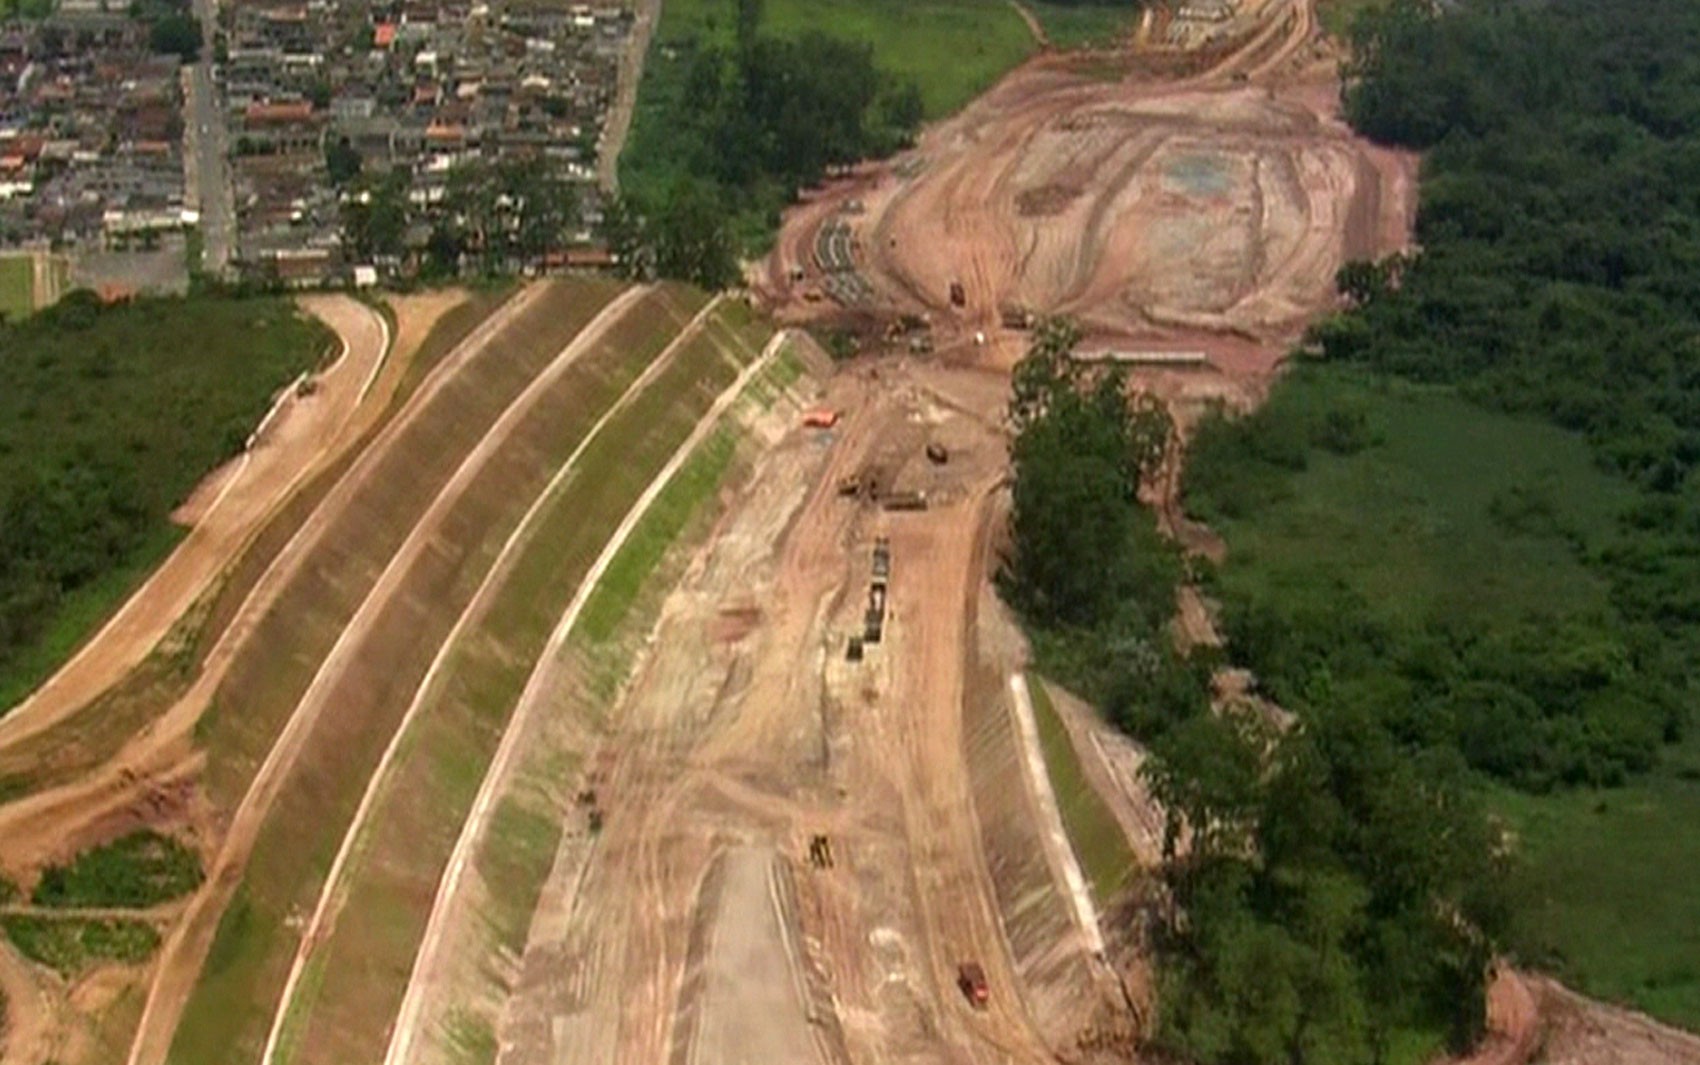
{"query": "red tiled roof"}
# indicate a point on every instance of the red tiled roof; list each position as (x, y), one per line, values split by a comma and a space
(298, 111)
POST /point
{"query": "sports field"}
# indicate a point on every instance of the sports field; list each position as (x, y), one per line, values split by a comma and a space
(17, 287)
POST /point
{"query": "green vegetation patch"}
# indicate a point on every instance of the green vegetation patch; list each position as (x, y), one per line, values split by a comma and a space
(1087, 25)
(515, 864)
(1098, 839)
(471, 1039)
(952, 49)
(1404, 551)
(1609, 902)
(107, 421)
(1338, 16)
(142, 869)
(17, 287)
(1337, 899)
(71, 946)
(618, 589)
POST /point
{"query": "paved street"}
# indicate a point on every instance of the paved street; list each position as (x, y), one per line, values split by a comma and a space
(206, 138)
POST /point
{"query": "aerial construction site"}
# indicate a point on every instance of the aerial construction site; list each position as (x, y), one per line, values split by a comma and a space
(602, 673)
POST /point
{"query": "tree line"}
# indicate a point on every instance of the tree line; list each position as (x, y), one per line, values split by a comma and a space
(1326, 898)
(728, 131)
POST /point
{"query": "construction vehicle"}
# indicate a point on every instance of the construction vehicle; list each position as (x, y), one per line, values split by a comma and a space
(937, 455)
(971, 978)
(958, 295)
(820, 852)
(820, 418)
(882, 559)
(850, 485)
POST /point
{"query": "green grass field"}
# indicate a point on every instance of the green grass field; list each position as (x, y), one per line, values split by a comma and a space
(954, 49)
(1087, 26)
(17, 287)
(1409, 524)
(1099, 844)
(1612, 904)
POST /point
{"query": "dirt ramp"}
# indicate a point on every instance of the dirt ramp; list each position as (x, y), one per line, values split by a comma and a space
(747, 994)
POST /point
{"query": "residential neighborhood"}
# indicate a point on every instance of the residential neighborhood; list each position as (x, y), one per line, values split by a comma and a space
(421, 135)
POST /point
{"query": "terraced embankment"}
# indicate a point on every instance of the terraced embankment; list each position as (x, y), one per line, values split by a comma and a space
(624, 471)
(363, 947)
(350, 638)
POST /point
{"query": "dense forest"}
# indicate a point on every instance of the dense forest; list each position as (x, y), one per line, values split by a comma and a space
(1337, 900)
(1559, 277)
(108, 417)
(734, 129)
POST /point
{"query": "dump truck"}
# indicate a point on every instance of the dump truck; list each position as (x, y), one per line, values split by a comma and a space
(971, 978)
(958, 295)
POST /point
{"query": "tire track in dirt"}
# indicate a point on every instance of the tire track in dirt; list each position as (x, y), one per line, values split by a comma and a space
(317, 927)
(185, 950)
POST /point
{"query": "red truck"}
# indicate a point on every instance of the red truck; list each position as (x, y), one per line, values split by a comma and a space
(972, 980)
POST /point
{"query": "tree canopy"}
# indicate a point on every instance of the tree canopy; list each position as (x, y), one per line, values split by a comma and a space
(737, 128)
(107, 420)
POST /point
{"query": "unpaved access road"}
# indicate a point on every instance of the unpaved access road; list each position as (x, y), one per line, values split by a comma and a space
(746, 733)
(299, 432)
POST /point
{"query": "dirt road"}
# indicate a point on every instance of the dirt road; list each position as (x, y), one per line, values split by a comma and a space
(619, 124)
(747, 733)
(298, 432)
